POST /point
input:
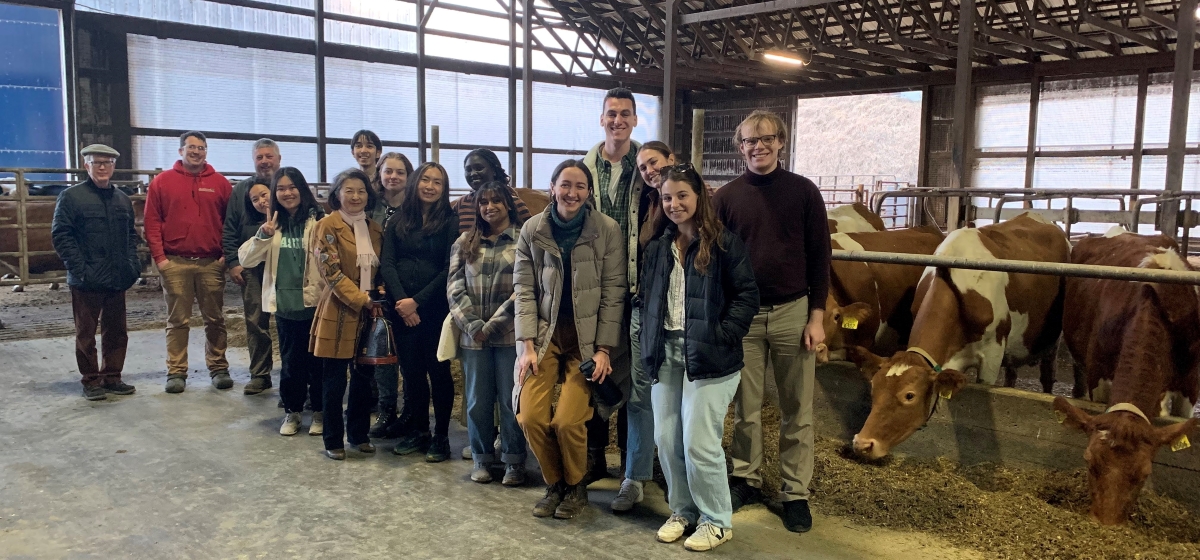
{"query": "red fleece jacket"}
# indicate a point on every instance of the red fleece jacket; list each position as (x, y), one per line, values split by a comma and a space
(185, 213)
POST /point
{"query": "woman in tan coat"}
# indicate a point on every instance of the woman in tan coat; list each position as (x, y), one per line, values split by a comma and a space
(347, 250)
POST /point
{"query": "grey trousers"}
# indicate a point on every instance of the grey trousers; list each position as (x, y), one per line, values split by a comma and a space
(778, 332)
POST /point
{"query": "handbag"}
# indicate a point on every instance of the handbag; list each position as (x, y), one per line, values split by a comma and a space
(448, 342)
(375, 343)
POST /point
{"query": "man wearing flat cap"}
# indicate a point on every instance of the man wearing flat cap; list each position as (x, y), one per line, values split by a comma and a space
(94, 234)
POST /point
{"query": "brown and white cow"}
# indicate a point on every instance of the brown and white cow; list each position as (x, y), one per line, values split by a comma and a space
(852, 218)
(1140, 346)
(870, 304)
(968, 320)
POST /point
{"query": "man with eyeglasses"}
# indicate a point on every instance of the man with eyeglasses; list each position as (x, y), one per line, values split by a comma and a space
(781, 217)
(237, 230)
(94, 234)
(185, 215)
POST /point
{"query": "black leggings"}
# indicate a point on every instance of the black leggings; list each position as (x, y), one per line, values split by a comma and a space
(299, 370)
(425, 378)
(358, 404)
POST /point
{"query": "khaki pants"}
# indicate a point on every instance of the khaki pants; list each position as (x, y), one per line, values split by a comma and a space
(201, 281)
(777, 331)
(258, 323)
(558, 442)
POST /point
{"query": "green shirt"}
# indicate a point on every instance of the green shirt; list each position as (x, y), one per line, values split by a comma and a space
(289, 276)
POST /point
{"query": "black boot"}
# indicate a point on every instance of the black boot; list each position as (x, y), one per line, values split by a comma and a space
(597, 466)
(384, 424)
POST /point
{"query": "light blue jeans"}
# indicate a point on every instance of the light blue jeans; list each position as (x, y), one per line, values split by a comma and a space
(690, 418)
(488, 380)
(639, 443)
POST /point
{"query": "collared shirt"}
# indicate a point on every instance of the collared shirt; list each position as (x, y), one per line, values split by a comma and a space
(481, 292)
(674, 320)
(616, 204)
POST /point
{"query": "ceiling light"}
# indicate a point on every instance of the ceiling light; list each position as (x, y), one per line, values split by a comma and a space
(785, 58)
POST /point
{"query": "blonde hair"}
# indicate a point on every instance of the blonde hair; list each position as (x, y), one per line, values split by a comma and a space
(758, 117)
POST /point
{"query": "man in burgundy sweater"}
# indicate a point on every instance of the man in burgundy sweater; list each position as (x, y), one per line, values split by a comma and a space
(185, 215)
(781, 218)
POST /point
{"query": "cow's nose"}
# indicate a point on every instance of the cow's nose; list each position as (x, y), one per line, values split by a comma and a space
(863, 446)
(822, 352)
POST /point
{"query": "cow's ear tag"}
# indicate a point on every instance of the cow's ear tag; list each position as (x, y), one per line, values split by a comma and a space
(946, 393)
(1181, 443)
(849, 323)
(1060, 416)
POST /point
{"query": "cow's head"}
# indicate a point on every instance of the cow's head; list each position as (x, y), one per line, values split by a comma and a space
(1121, 446)
(904, 389)
(838, 319)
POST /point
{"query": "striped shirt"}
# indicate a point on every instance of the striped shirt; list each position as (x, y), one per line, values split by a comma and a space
(481, 293)
(466, 208)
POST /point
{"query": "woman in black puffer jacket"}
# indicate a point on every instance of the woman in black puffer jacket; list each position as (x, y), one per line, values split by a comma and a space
(698, 297)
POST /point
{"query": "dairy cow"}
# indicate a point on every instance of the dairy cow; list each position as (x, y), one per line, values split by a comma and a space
(968, 320)
(870, 304)
(852, 218)
(1139, 344)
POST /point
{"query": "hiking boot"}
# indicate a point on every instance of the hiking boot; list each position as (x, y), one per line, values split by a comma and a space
(256, 385)
(575, 498)
(176, 384)
(364, 448)
(629, 494)
(221, 380)
(707, 537)
(412, 443)
(439, 450)
(796, 516)
(384, 424)
(742, 494)
(597, 466)
(673, 529)
(119, 388)
(94, 393)
(514, 475)
(481, 474)
(547, 505)
(291, 424)
(317, 427)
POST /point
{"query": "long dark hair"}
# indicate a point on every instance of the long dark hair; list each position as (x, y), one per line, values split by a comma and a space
(411, 216)
(252, 213)
(705, 218)
(489, 156)
(339, 181)
(481, 228)
(652, 227)
(308, 201)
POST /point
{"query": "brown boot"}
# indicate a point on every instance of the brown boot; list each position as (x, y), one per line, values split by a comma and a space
(546, 506)
(575, 498)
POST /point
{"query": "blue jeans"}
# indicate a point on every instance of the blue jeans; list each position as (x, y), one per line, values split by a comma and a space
(690, 416)
(639, 442)
(488, 381)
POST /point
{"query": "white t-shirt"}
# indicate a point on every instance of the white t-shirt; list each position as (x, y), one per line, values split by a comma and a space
(675, 318)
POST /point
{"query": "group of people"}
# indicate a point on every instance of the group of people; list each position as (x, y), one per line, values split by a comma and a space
(632, 287)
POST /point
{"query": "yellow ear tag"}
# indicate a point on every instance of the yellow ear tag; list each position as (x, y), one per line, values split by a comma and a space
(1060, 416)
(1181, 443)
(946, 394)
(849, 323)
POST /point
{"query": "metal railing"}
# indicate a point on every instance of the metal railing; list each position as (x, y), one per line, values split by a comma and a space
(895, 214)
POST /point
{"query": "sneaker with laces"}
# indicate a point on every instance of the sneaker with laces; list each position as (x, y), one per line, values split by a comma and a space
(514, 475)
(481, 474)
(439, 450)
(575, 499)
(629, 494)
(119, 388)
(673, 529)
(413, 443)
(257, 385)
(221, 380)
(317, 427)
(94, 393)
(741, 494)
(707, 537)
(797, 517)
(291, 424)
(549, 503)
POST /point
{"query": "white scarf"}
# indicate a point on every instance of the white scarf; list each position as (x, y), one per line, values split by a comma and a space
(368, 261)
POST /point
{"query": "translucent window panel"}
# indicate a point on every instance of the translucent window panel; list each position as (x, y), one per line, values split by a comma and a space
(569, 117)
(211, 14)
(998, 173)
(189, 85)
(1158, 111)
(1002, 118)
(1092, 173)
(1087, 114)
(226, 156)
(378, 97)
(338, 158)
(1154, 173)
(840, 145)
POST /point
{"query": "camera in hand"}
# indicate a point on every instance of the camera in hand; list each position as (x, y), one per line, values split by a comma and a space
(607, 392)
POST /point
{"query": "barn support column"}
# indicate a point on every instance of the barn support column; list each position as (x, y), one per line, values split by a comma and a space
(1139, 130)
(512, 89)
(963, 97)
(666, 126)
(1035, 98)
(71, 85)
(421, 21)
(1184, 50)
(527, 89)
(319, 74)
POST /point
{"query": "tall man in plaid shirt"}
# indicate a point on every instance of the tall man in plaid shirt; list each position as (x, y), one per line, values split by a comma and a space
(620, 195)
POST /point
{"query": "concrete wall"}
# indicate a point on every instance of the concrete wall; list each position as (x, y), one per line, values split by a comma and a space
(993, 424)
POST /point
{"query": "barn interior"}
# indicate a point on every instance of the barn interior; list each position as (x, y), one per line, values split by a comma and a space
(927, 112)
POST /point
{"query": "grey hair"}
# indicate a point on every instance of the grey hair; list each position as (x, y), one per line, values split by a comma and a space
(264, 143)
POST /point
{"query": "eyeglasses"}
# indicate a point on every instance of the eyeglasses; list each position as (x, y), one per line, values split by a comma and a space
(102, 163)
(200, 149)
(766, 140)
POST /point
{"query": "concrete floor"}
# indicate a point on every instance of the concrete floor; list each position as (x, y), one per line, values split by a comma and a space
(206, 475)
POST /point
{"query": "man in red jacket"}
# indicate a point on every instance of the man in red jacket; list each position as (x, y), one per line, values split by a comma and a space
(185, 214)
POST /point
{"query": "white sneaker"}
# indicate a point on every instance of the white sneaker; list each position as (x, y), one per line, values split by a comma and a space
(629, 494)
(466, 454)
(318, 424)
(291, 424)
(674, 528)
(707, 537)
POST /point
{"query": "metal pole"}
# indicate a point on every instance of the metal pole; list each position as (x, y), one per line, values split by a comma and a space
(962, 106)
(71, 79)
(319, 25)
(421, 81)
(1027, 267)
(22, 233)
(435, 148)
(666, 126)
(527, 88)
(512, 90)
(698, 140)
(1139, 129)
(1184, 48)
(1035, 98)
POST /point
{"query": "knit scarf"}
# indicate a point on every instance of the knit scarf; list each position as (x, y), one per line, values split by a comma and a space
(368, 261)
